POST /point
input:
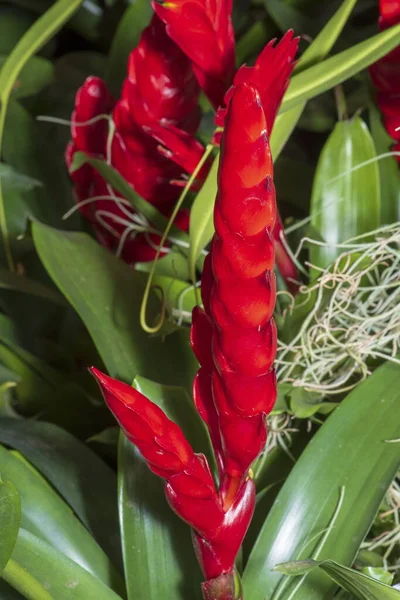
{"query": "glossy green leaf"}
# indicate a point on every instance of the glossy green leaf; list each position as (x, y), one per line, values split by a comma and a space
(46, 515)
(116, 180)
(179, 296)
(60, 577)
(34, 39)
(388, 168)
(136, 17)
(201, 227)
(173, 265)
(35, 75)
(379, 573)
(358, 584)
(332, 71)
(316, 51)
(155, 540)
(344, 202)
(10, 517)
(12, 179)
(87, 484)
(329, 501)
(107, 294)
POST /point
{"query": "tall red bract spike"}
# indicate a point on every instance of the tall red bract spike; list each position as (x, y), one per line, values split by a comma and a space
(203, 30)
(240, 290)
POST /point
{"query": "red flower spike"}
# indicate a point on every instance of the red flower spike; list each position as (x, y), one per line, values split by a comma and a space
(203, 30)
(240, 291)
(385, 75)
(160, 86)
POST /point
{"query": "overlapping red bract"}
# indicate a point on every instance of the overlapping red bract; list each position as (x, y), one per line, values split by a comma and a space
(171, 94)
(234, 340)
(203, 30)
(385, 75)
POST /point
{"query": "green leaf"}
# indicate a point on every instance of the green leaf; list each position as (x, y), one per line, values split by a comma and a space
(10, 517)
(116, 180)
(174, 265)
(46, 515)
(18, 181)
(358, 584)
(87, 484)
(332, 71)
(388, 168)
(20, 283)
(79, 266)
(316, 51)
(344, 202)
(201, 227)
(35, 75)
(34, 39)
(154, 539)
(330, 499)
(60, 578)
(379, 574)
(136, 17)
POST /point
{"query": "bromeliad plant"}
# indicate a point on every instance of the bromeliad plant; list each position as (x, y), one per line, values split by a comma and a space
(282, 485)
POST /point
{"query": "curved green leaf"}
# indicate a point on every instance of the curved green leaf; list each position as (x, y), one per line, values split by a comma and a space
(60, 577)
(329, 501)
(334, 70)
(361, 586)
(87, 484)
(201, 227)
(344, 203)
(106, 293)
(36, 74)
(34, 39)
(154, 539)
(46, 515)
(10, 517)
(316, 51)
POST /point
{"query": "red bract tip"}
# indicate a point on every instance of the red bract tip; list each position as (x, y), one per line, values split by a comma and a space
(204, 31)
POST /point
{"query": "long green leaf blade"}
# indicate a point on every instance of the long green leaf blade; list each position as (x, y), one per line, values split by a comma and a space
(10, 517)
(348, 460)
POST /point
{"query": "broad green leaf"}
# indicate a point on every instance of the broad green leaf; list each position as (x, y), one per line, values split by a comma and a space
(379, 573)
(113, 177)
(358, 584)
(35, 75)
(86, 483)
(106, 293)
(135, 18)
(15, 180)
(46, 515)
(20, 283)
(179, 296)
(34, 39)
(10, 517)
(154, 539)
(316, 51)
(332, 71)
(173, 265)
(201, 227)
(58, 576)
(330, 499)
(345, 202)
(388, 168)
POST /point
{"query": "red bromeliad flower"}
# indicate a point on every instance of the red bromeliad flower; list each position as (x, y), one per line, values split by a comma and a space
(385, 75)
(160, 86)
(203, 30)
(234, 339)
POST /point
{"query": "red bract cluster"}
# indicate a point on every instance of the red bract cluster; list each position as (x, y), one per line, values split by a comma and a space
(385, 75)
(160, 85)
(152, 142)
(234, 340)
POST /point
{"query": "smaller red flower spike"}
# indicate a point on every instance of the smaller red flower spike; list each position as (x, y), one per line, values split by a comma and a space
(385, 75)
(203, 30)
(218, 532)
